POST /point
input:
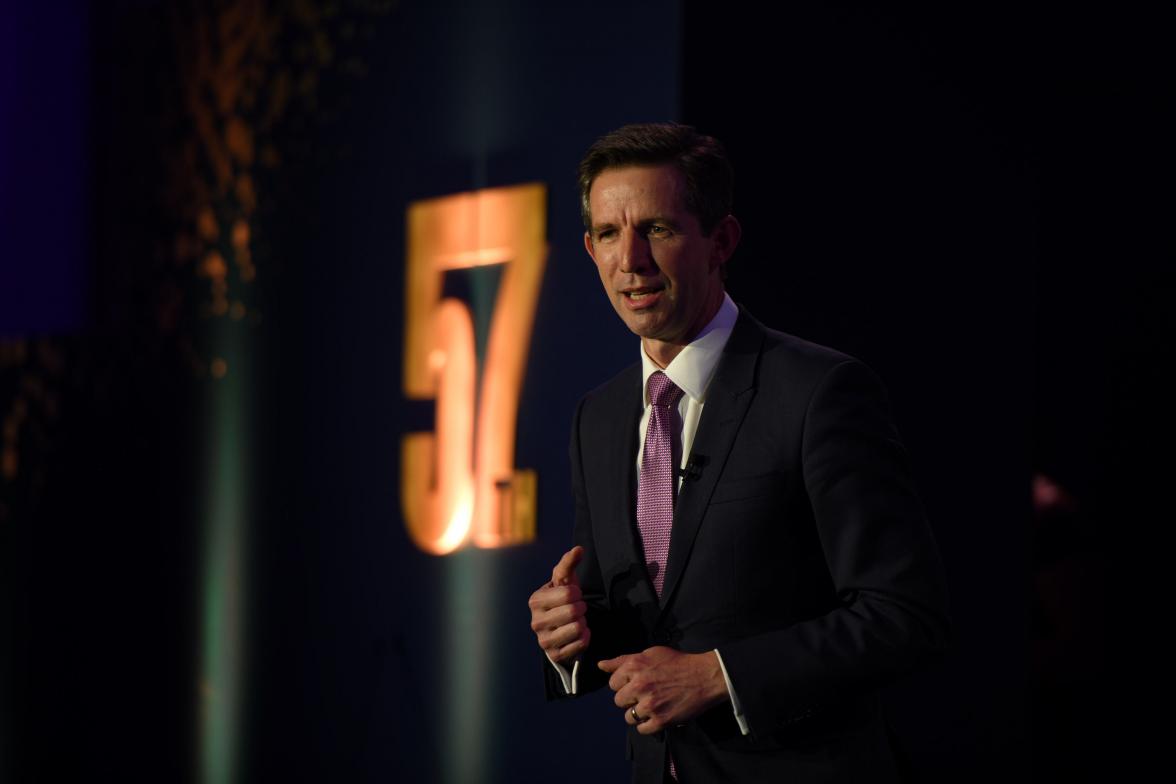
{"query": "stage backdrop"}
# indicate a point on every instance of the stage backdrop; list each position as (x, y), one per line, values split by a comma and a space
(209, 385)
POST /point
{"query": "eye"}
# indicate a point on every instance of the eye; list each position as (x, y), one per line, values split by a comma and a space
(658, 231)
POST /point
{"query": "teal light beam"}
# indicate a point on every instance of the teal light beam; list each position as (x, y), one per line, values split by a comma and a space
(471, 608)
(225, 521)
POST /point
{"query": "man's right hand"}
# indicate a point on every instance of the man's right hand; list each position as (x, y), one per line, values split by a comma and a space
(557, 611)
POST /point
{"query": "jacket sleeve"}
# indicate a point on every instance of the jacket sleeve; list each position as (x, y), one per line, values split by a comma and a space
(891, 604)
(605, 641)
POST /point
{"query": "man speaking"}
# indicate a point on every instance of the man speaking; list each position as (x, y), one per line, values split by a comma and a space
(751, 561)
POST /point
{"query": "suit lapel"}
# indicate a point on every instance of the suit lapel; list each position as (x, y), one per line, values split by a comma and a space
(727, 399)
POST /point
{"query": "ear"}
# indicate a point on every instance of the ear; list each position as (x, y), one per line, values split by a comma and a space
(724, 240)
(588, 245)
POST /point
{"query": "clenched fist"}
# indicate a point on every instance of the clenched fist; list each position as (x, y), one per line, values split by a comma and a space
(557, 611)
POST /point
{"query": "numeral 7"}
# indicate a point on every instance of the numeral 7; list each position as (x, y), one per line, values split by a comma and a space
(458, 484)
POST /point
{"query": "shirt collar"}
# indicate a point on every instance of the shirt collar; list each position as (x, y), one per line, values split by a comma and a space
(694, 367)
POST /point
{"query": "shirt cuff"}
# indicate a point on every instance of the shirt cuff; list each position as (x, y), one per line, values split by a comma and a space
(569, 679)
(735, 704)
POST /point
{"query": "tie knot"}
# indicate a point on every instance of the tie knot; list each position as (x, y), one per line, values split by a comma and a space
(663, 392)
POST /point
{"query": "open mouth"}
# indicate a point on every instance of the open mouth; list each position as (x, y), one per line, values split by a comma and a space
(642, 298)
(638, 295)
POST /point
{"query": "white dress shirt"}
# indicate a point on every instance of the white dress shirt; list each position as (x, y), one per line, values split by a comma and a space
(691, 371)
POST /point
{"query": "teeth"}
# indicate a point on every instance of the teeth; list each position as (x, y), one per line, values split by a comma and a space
(638, 294)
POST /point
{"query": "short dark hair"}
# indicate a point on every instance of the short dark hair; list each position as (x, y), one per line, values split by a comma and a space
(710, 179)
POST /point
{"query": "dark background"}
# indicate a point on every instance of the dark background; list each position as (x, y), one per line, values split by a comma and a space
(962, 195)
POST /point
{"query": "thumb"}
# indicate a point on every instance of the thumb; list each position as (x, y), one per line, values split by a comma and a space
(564, 572)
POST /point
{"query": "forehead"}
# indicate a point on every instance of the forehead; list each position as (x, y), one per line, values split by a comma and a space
(625, 189)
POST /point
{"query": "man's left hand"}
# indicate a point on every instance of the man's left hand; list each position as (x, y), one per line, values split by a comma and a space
(665, 686)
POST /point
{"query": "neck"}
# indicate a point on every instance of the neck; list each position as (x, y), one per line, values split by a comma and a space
(661, 353)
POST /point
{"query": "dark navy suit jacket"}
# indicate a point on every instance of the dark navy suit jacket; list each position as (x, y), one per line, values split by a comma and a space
(799, 549)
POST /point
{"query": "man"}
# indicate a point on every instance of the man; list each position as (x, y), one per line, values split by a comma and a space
(751, 561)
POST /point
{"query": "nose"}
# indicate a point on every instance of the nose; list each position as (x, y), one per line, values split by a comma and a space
(635, 257)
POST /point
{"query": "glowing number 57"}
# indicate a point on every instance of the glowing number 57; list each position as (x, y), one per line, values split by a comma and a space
(458, 484)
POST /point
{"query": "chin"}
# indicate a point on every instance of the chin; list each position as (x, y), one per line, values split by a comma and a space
(643, 328)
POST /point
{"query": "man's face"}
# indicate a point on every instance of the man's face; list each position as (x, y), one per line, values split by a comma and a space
(662, 275)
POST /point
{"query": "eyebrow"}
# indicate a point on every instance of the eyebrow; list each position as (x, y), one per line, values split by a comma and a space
(662, 219)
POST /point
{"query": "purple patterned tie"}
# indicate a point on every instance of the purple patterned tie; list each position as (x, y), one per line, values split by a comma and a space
(655, 486)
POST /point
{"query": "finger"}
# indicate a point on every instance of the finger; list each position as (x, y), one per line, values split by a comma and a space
(560, 616)
(611, 665)
(564, 572)
(627, 686)
(562, 613)
(549, 598)
(554, 639)
(620, 678)
(650, 725)
(566, 654)
(576, 647)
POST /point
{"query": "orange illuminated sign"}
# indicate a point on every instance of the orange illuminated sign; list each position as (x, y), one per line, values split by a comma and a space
(458, 484)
